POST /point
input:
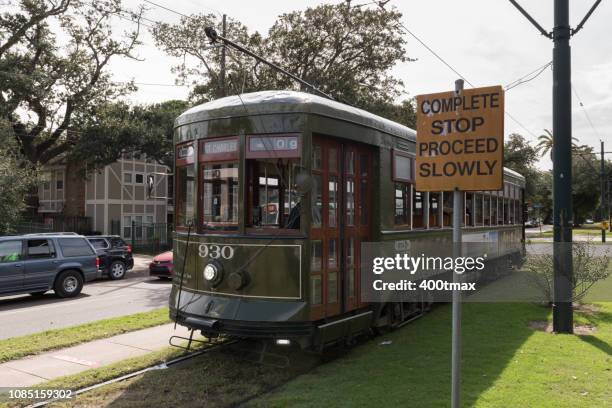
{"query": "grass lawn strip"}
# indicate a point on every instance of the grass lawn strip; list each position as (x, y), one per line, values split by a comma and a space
(505, 364)
(217, 379)
(22, 346)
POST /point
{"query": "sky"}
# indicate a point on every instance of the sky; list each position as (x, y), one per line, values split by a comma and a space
(488, 41)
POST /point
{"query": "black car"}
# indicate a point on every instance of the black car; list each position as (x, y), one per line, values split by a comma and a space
(115, 255)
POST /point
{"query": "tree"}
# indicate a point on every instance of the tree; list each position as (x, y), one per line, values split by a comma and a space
(586, 183)
(117, 128)
(53, 59)
(17, 177)
(521, 156)
(200, 64)
(545, 144)
(347, 52)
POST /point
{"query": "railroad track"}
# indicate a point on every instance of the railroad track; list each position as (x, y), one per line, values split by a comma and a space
(180, 359)
(160, 366)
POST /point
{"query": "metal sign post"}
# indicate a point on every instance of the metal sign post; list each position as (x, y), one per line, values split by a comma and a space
(460, 142)
(456, 331)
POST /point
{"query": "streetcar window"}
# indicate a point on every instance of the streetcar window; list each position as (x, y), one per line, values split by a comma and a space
(350, 262)
(315, 289)
(477, 209)
(185, 184)
(403, 193)
(500, 207)
(350, 201)
(447, 208)
(517, 212)
(469, 208)
(434, 210)
(403, 167)
(332, 201)
(417, 209)
(220, 196)
(350, 162)
(332, 254)
(507, 211)
(273, 198)
(317, 200)
(185, 179)
(494, 208)
(317, 161)
(316, 249)
(406, 203)
(363, 202)
(332, 287)
(486, 209)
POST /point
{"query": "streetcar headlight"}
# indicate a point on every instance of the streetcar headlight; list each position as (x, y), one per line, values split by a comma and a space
(211, 272)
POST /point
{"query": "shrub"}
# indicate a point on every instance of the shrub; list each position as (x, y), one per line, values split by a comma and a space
(588, 270)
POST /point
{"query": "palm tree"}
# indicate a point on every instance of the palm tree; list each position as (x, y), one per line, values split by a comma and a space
(545, 144)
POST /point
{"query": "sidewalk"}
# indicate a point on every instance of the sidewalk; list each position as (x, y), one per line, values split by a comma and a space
(47, 366)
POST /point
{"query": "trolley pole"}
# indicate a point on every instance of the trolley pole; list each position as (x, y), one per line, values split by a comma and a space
(456, 333)
(222, 75)
(562, 171)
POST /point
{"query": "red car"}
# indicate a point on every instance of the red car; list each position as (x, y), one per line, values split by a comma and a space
(162, 265)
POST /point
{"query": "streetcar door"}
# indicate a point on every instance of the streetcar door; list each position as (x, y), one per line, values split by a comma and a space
(357, 212)
(341, 220)
(325, 279)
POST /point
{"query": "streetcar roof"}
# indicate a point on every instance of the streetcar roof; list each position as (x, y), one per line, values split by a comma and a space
(279, 102)
(270, 102)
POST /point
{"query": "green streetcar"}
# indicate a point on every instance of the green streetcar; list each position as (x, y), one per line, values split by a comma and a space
(276, 191)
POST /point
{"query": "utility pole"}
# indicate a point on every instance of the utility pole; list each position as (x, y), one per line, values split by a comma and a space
(602, 209)
(222, 79)
(562, 159)
(562, 171)
(610, 204)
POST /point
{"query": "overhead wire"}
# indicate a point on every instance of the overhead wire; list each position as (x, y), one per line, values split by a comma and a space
(20, 74)
(449, 66)
(528, 77)
(586, 114)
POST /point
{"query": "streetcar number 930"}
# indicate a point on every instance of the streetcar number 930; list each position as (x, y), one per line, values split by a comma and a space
(216, 251)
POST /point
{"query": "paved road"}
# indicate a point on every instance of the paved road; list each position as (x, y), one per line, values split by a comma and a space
(536, 230)
(100, 299)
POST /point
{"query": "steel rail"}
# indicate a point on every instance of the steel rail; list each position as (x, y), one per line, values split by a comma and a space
(160, 366)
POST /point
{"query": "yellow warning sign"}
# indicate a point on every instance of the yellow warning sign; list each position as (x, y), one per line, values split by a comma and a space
(460, 140)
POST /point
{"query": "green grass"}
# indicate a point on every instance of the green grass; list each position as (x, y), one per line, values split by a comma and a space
(216, 379)
(505, 364)
(18, 347)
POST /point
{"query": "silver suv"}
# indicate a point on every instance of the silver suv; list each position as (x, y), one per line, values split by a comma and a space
(37, 263)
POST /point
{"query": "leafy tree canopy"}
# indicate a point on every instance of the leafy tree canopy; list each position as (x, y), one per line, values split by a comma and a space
(17, 177)
(347, 52)
(53, 60)
(114, 127)
(521, 156)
